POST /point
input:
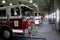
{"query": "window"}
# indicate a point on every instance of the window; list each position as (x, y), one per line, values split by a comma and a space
(15, 11)
(12, 12)
(26, 13)
(35, 14)
(3, 12)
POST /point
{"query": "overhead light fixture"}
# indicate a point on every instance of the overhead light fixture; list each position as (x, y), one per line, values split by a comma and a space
(31, 1)
(34, 4)
(3, 1)
(10, 4)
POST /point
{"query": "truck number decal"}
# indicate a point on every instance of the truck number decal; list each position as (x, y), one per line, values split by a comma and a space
(16, 23)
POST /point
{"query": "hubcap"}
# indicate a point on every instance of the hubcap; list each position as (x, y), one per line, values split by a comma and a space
(6, 34)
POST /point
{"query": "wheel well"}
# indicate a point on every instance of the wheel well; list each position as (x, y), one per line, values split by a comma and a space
(3, 28)
(6, 27)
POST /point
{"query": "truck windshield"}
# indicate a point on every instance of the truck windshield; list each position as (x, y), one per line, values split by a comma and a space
(26, 11)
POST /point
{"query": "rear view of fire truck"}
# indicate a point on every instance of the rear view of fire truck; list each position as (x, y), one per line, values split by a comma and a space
(37, 18)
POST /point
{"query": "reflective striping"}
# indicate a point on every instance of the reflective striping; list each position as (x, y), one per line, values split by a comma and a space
(17, 31)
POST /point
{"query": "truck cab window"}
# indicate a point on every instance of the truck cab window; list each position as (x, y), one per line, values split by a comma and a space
(35, 14)
(26, 11)
(15, 11)
(3, 13)
(12, 12)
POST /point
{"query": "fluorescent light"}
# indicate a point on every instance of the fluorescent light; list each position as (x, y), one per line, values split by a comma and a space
(31, 1)
(57, 12)
(3, 1)
(10, 4)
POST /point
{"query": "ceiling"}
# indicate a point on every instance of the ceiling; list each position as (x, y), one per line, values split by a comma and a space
(44, 5)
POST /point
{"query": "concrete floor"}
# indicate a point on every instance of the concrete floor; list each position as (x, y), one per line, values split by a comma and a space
(45, 31)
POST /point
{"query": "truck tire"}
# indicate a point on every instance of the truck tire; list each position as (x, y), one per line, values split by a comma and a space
(6, 33)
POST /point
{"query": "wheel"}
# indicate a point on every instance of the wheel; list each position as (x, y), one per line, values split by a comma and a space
(6, 33)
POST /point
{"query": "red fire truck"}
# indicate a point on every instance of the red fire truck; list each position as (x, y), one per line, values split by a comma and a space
(16, 20)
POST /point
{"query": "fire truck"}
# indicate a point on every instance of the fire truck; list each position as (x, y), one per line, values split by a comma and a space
(37, 18)
(16, 20)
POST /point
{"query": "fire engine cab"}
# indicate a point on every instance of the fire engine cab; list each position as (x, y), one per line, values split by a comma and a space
(16, 20)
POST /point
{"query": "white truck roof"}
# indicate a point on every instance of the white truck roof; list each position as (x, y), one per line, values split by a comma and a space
(14, 6)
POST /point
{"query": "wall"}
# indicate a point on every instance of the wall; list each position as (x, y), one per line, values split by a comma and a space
(57, 11)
